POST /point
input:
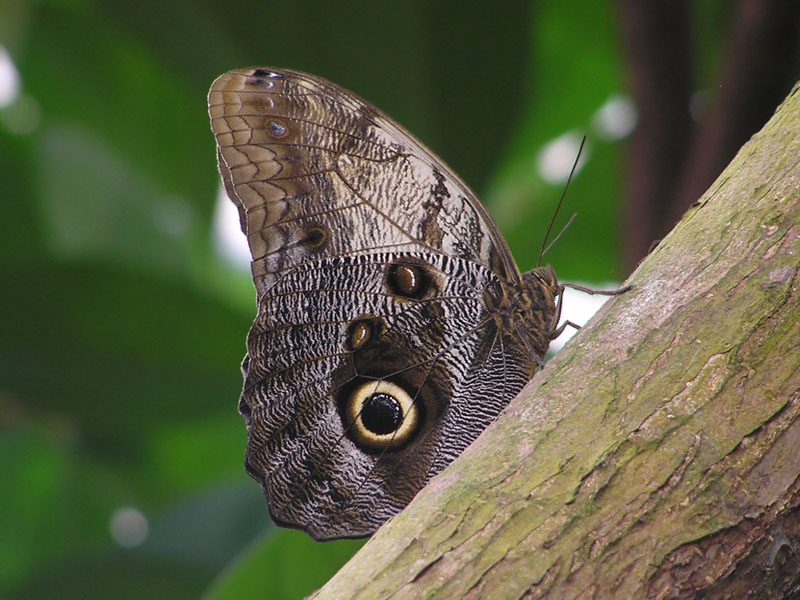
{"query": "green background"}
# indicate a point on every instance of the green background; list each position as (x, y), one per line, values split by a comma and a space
(122, 328)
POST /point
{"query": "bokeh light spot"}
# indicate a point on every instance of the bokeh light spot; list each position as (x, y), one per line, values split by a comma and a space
(229, 240)
(616, 119)
(9, 79)
(554, 161)
(129, 527)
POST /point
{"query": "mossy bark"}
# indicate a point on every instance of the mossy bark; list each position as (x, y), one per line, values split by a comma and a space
(658, 455)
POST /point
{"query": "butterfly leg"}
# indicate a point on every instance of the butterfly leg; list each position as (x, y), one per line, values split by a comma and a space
(560, 329)
(523, 335)
(557, 331)
(594, 292)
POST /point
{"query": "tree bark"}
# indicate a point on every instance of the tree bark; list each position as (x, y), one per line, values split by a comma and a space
(658, 455)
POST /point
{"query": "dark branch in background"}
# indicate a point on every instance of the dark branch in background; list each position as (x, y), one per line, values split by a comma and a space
(756, 75)
(672, 160)
(658, 47)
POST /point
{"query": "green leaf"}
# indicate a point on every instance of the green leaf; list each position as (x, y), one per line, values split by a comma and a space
(285, 564)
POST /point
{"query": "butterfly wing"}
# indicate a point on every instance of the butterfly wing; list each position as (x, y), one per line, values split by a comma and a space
(377, 354)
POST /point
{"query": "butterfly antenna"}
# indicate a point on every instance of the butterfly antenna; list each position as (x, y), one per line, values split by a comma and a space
(558, 237)
(545, 247)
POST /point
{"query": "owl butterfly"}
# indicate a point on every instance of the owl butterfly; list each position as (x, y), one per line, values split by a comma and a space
(393, 323)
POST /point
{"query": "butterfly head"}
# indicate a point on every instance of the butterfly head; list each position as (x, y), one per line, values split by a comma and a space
(537, 309)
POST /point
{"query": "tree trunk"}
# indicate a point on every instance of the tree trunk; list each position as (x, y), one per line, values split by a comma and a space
(658, 455)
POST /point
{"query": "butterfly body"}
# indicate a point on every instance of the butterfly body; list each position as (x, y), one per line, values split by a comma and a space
(393, 324)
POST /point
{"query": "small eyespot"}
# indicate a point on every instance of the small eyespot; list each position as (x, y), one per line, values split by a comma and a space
(262, 79)
(408, 280)
(315, 237)
(361, 331)
(266, 73)
(381, 415)
(277, 129)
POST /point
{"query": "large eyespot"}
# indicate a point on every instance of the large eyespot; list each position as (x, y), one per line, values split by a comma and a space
(381, 415)
(408, 280)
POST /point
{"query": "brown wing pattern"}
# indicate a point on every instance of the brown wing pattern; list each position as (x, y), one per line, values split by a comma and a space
(385, 340)
(302, 157)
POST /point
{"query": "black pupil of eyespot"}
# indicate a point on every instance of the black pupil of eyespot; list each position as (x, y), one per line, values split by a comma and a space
(381, 414)
(314, 237)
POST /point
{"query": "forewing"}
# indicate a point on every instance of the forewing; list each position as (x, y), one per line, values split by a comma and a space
(317, 172)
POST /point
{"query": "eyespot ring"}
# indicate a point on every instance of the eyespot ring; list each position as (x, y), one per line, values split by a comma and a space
(315, 237)
(381, 415)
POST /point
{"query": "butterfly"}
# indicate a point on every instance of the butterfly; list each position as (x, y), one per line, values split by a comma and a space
(393, 324)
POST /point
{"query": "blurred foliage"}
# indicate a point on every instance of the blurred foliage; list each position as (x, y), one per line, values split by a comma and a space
(123, 328)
